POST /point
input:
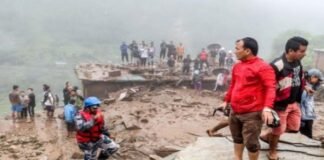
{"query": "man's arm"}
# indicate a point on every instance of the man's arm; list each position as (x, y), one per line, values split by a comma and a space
(81, 124)
(268, 78)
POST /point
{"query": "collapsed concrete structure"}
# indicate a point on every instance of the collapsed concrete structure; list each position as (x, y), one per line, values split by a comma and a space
(101, 79)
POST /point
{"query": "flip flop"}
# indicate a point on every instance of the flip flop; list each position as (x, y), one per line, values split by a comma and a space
(270, 158)
(209, 133)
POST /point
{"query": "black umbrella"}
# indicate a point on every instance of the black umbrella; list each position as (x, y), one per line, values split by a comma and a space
(220, 70)
(214, 46)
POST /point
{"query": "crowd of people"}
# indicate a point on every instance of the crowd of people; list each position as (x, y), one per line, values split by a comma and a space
(279, 95)
(143, 55)
(22, 103)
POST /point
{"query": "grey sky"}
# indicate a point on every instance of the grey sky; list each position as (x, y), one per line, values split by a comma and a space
(193, 22)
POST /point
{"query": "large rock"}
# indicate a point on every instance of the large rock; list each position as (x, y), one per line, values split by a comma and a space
(146, 100)
(170, 92)
(125, 96)
(155, 157)
(166, 150)
(207, 93)
(115, 73)
(130, 124)
(77, 155)
(177, 99)
(109, 101)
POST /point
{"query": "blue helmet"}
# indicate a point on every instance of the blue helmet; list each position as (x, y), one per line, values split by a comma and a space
(91, 101)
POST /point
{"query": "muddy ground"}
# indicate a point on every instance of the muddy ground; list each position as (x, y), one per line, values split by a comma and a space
(153, 124)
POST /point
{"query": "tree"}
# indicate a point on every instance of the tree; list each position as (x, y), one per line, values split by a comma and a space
(315, 41)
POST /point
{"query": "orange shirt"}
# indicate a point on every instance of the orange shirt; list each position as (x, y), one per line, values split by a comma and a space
(180, 50)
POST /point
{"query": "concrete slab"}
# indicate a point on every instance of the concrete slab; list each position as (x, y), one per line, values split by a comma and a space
(221, 148)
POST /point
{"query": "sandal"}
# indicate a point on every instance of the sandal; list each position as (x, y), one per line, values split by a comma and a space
(271, 158)
(209, 133)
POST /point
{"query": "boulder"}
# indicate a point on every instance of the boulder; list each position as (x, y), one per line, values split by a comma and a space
(115, 73)
(146, 100)
(155, 157)
(109, 101)
(177, 99)
(207, 93)
(77, 155)
(166, 150)
(130, 124)
(170, 92)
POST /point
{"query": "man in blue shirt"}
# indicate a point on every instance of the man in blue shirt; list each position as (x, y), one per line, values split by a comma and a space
(69, 113)
(123, 50)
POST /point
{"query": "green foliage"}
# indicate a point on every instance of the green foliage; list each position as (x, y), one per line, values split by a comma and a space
(315, 41)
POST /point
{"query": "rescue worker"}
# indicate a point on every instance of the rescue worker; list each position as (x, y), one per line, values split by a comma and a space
(91, 131)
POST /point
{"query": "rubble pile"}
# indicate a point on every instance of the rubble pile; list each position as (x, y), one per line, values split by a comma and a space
(148, 123)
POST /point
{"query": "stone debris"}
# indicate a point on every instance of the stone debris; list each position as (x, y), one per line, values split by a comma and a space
(130, 124)
(109, 101)
(177, 99)
(155, 157)
(170, 92)
(167, 150)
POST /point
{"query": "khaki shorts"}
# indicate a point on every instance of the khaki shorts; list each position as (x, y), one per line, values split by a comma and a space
(289, 120)
(246, 129)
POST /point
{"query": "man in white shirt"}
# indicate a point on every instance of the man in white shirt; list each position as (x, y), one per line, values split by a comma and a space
(48, 101)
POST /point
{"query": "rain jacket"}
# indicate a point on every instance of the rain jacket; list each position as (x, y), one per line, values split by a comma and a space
(252, 86)
(89, 129)
(69, 113)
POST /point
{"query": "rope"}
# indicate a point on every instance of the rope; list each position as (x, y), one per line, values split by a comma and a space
(289, 150)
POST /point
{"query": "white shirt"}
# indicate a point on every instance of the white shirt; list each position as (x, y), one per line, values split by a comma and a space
(220, 79)
(50, 100)
(144, 53)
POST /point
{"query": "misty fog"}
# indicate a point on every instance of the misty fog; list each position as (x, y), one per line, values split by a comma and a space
(42, 40)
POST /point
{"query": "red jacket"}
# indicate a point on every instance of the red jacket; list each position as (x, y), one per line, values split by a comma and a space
(94, 133)
(252, 86)
(203, 56)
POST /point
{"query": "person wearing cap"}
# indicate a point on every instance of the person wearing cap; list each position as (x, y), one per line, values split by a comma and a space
(92, 133)
(313, 79)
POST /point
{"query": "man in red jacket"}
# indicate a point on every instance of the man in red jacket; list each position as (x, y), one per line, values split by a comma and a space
(251, 95)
